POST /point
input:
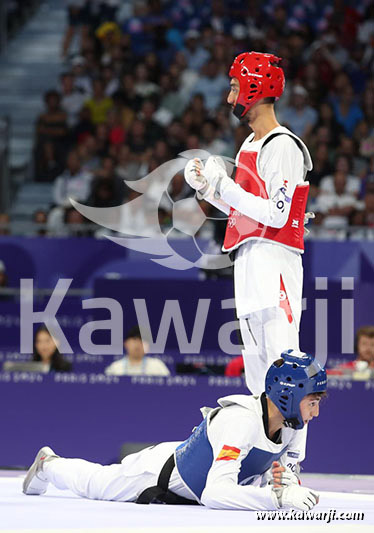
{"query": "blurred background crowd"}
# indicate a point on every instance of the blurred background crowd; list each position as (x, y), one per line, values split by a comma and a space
(144, 81)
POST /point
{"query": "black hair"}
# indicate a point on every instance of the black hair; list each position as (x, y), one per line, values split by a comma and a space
(133, 333)
(51, 93)
(347, 158)
(58, 363)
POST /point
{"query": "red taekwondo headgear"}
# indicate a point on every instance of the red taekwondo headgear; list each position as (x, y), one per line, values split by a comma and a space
(259, 77)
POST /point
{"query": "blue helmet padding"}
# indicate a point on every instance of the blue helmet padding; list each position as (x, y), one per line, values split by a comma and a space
(288, 382)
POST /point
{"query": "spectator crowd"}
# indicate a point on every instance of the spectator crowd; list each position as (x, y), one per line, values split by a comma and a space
(151, 82)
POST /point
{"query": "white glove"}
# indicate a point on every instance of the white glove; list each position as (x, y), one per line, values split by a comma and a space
(296, 497)
(215, 173)
(307, 217)
(194, 175)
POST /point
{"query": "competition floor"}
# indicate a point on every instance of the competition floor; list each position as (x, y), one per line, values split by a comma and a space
(59, 511)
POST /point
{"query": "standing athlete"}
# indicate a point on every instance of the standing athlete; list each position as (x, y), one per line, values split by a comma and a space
(265, 204)
(244, 455)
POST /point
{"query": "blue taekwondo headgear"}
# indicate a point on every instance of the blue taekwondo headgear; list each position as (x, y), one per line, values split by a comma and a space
(290, 379)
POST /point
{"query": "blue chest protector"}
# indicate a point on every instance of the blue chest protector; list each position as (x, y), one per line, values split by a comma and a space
(194, 457)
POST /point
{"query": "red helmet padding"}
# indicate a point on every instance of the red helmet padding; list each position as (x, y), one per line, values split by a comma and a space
(258, 77)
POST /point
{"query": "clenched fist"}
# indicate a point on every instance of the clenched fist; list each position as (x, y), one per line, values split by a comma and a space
(296, 497)
(194, 175)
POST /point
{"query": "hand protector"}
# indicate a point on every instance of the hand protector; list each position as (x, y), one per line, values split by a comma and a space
(307, 217)
(215, 173)
(194, 175)
(286, 478)
(296, 497)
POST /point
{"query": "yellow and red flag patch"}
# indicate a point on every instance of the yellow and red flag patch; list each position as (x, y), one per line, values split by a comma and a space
(228, 453)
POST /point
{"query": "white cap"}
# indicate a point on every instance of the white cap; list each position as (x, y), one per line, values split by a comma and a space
(2, 266)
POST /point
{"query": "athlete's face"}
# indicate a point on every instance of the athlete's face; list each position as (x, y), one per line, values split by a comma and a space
(309, 408)
(234, 92)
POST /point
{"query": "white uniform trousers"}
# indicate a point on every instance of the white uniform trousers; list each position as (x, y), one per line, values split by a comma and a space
(265, 334)
(118, 482)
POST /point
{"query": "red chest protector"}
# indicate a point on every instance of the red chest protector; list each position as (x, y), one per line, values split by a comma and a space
(241, 228)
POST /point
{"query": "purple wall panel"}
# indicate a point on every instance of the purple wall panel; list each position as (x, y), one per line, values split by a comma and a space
(86, 418)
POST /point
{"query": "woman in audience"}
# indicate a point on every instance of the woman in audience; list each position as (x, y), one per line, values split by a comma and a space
(46, 351)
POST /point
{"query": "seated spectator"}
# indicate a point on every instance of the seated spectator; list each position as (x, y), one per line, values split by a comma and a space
(153, 64)
(75, 223)
(195, 54)
(143, 86)
(368, 179)
(161, 151)
(347, 112)
(184, 78)
(74, 182)
(364, 348)
(78, 18)
(178, 188)
(137, 138)
(127, 95)
(364, 137)
(326, 118)
(135, 218)
(299, 116)
(99, 104)
(84, 127)
(176, 138)
(86, 151)
(348, 147)
(82, 80)
(106, 193)
(128, 165)
(117, 133)
(210, 141)
(46, 351)
(4, 224)
(110, 80)
(109, 34)
(365, 216)
(171, 104)
(333, 209)
(40, 218)
(51, 125)
(153, 131)
(3, 275)
(72, 99)
(235, 368)
(136, 362)
(48, 165)
(102, 139)
(106, 168)
(211, 84)
(343, 164)
(321, 167)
